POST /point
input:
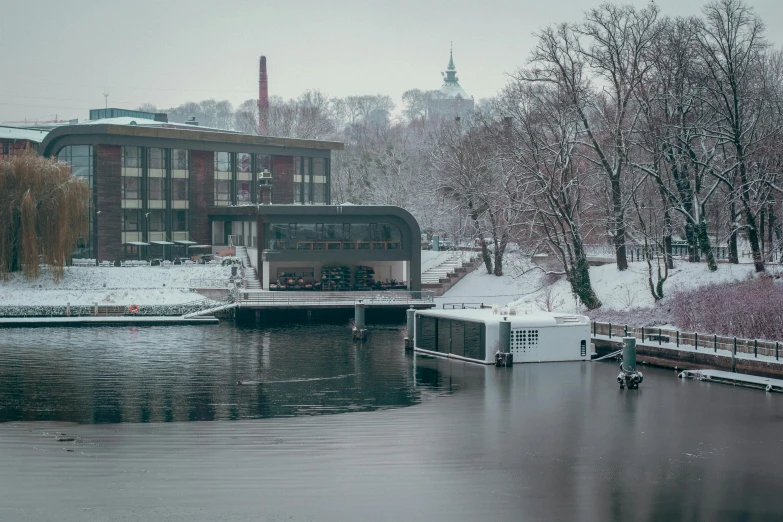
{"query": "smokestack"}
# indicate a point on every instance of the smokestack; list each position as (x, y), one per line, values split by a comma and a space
(263, 97)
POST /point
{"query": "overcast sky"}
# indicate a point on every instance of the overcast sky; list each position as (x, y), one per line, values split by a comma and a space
(60, 55)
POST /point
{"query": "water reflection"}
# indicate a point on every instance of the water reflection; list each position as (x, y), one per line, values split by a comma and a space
(113, 375)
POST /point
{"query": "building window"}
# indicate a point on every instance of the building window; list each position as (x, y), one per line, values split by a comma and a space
(131, 157)
(243, 191)
(243, 162)
(5, 147)
(179, 220)
(157, 159)
(263, 163)
(179, 159)
(222, 190)
(179, 189)
(130, 220)
(155, 221)
(319, 181)
(222, 162)
(130, 188)
(157, 188)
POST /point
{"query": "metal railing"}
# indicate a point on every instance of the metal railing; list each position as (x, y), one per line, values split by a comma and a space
(246, 297)
(695, 340)
(111, 310)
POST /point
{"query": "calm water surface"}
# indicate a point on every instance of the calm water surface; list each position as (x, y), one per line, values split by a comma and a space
(299, 423)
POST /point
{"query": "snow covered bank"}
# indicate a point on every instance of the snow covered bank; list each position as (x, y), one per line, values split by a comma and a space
(111, 286)
(622, 293)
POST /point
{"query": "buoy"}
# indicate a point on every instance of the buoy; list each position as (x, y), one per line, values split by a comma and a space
(134, 308)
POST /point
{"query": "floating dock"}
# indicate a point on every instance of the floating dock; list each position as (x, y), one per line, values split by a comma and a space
(46, 322)
(736, 379)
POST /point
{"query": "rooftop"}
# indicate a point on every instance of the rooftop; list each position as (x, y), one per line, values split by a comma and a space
(16, 133)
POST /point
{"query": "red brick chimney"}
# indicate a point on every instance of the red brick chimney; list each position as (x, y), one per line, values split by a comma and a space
(263, 97)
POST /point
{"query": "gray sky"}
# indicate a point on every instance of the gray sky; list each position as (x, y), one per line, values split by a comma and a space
(59, 55)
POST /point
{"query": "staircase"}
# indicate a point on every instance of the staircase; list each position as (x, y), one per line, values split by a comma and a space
(250, 278)
(446, 274)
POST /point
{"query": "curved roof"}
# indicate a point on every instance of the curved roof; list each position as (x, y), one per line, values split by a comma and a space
(187, 138)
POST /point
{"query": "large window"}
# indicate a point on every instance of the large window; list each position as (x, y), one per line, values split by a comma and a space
(263, 164)
(179, 189)
(243, 162)
(156, 221)
(157, 188)
(243, 191)
(179, 220)
(222, 162)
(130, 188)
(130, 220)
(79, 157)
(131, 157)
(179, 159)
(319, 181)
(341, 236)
(222, 190)
(157, 159)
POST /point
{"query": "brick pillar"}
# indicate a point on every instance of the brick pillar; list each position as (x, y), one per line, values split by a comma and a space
(108, 190)
(283, 176)
(202, 194)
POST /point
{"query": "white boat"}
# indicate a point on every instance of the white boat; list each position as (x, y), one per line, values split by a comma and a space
(478, 335)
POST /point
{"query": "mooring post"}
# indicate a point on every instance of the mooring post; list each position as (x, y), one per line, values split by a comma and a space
(359, 329)
(629, 354)
(410, 316)
(659, 336)
(504, 357)
(595, 323)
(626, 331)
(67, 309)
(642, 333)
(734, 357)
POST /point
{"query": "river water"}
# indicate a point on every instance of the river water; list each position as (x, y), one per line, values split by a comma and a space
(299, 423)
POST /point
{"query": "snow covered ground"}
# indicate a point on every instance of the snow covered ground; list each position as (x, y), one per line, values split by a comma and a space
(111, 286)
(618, 291)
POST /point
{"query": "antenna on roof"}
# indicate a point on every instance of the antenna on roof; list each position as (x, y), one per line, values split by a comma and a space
(106, 97)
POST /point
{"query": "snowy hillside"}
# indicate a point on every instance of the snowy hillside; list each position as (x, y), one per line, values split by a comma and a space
(618, 291)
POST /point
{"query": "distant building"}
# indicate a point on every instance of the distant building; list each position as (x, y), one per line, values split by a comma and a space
(111, 112)
(164, 190)
(453, 101)
(14, 140)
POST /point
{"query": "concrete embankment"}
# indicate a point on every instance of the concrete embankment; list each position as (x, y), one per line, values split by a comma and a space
(47, 322)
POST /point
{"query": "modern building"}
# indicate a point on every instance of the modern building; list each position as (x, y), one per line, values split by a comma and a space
(161, 190)
(452, 100)
(14, 140)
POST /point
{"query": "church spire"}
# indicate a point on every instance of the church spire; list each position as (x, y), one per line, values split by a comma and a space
(451, 71)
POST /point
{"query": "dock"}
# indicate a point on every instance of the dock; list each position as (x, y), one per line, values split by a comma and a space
(736, 379)
(46, 322)
(265, 299)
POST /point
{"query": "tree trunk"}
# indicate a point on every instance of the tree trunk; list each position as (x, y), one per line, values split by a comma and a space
(704, 244)
(618, 225)
(733, 253)
(486, 256)
(579, 277)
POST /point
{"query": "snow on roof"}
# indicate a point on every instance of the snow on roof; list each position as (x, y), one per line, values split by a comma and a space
(453, 90)
(127, 120)
(15, 133)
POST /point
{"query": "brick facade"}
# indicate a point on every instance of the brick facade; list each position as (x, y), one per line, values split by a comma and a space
(108, 198)
(283, 175)
(202, 194)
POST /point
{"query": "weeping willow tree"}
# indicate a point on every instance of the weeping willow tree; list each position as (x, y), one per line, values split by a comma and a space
(43, 213)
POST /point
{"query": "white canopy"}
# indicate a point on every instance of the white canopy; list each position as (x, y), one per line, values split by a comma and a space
(161, 242)
(137, 243)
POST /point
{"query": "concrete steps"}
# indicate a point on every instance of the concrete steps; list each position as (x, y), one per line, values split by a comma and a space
(443, 276)
(251, 281)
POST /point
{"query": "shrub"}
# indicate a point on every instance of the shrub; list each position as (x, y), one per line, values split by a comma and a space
(752, 309)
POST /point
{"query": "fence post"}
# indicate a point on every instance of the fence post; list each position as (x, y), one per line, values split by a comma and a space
(715, 343)
(659, 336)
(735, 345)
(696, 340)
(594, 327)
(678, 338)
(776, 350)
(610, 330)
(755, 348)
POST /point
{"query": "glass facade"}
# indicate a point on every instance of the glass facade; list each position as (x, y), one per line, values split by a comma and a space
(157, 189)
(179, 159)
(156, 221)
(179, 189)
(130, 220)
(80, 158)
(450, 336)
(332, 236)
